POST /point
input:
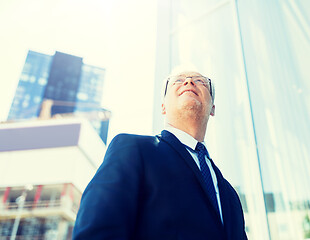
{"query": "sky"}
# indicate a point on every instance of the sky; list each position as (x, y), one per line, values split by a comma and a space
(118, 35)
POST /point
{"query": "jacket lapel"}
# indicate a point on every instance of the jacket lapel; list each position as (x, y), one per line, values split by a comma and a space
(185, 155)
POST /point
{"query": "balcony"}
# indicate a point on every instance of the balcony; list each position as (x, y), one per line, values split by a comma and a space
(64, 208)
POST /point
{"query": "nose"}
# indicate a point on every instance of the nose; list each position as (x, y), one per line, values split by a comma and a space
(189, 80)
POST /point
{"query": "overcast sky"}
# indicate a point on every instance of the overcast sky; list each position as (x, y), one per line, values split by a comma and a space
(118, 35)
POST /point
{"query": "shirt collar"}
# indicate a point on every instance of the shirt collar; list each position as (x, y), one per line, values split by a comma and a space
(183, 137)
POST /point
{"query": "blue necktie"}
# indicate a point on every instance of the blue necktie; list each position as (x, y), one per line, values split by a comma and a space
(206, 174)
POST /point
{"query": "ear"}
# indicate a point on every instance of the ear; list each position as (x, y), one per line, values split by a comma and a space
(212, 113)
(163, 109)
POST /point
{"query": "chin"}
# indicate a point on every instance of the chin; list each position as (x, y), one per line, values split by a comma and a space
(192, 105)
(191, 102)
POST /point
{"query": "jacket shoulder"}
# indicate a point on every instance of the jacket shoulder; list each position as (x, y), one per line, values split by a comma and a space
(133, 139)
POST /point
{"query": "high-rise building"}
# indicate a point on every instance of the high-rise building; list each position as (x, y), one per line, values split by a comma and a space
(45, 166)
(257, 53)
(73, 87)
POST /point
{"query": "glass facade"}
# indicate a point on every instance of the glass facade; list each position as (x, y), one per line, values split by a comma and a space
(31, 86)
(63, 82)
(91, 85)
(89, 97)
(73, 86)
(256, 53)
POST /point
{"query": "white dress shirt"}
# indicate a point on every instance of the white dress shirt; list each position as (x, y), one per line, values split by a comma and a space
(191, 142)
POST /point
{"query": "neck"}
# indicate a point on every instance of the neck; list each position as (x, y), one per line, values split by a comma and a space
(197, 129)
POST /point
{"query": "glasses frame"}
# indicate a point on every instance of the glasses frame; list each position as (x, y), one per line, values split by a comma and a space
(209, 80)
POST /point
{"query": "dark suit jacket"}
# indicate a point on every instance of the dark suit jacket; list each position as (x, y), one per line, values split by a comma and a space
(150, 188)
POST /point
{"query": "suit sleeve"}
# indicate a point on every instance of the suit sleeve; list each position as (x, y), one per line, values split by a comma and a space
(108, 208)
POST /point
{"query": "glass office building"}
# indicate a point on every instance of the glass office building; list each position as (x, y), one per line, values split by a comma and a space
(90, 94)
(73, 86)
(29, 93)
(257, 53)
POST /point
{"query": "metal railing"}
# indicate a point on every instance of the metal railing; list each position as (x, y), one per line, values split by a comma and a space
(35, 237)
(12, 206)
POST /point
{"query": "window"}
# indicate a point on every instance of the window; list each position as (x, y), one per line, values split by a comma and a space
(24, 77)
(42, 81)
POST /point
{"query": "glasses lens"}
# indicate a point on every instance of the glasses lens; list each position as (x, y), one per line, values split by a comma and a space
(178, 79)
(200, 80)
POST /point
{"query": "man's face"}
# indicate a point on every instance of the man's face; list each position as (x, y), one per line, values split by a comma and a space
(187, 95)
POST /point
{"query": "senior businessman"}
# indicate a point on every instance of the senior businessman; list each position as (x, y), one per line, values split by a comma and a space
(166, 186)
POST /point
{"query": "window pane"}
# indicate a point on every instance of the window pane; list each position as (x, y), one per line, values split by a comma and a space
(260, 135)
(276, 47)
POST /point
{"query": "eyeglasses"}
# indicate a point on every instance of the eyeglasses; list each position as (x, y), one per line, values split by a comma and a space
(198, 80)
